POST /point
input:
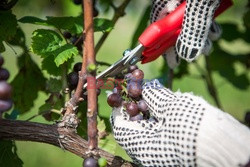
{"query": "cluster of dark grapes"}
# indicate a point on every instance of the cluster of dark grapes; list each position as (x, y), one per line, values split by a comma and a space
(5, 89)
(92, 162)
(131, 98)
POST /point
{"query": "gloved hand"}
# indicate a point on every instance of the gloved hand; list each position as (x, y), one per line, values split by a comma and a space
(198, 28)
(187, 132)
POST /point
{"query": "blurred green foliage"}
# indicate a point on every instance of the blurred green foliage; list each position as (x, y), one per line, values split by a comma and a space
(38, 91)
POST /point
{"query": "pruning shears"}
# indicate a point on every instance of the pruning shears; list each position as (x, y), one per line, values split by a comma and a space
(155, 40)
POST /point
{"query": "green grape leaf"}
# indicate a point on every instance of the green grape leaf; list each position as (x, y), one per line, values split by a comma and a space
(8, 155)
(8, 25)
(26, 84)
(223, 62)
(103, 25)
(44, 42)
(18, 39)
(48, 43)
(54, 85)
(64, 53)
(33, 20)
(72, 24)
(108, 144)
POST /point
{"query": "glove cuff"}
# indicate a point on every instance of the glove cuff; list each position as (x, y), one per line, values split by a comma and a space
(222, 140)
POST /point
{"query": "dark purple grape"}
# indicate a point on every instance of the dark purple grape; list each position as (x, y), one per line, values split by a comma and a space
(74, 39)
(77, 2)
(72, 79)
(136, 118)
(90, 162)
(138, 74)
(247, 117)
(132, 68)
(114, 100)
(1, 61)
(132, 109)
(134, 90)
(98, 92)
(5, 105)
(142, 106)
(95, 12)
(67, 35)
(5, 90)
(4, 74)
(78, 67)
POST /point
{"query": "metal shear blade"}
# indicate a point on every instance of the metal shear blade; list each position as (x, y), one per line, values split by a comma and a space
(130, 58)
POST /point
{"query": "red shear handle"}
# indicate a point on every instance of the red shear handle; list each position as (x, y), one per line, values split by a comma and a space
(162, 34)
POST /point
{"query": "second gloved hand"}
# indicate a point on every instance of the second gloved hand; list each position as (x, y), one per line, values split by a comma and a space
(187, 131)
(198, 28)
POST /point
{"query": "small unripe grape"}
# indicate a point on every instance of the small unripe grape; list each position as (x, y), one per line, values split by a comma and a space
(132, 109)
(142, 106)
(114, 100)
(4, 74)
(138, 74)
(78, 67)
(90, 162)
(5, 105)
(138, 117)
(5, 90)
(102, 162)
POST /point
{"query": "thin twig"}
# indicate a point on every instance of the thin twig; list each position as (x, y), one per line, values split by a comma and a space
(210, 83)
(119, 12)
(89, 55)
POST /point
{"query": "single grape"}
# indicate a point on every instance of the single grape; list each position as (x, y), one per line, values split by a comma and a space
(90, 162)
(134, 90)
(78, 67)
(247, 117)
(102, 162)
(95, 12)
(138, 74)
(4, 74)
(132, 68)
(67, 35)
(72, 79)
(142, 106)
(114, 100)
(77, 2)
(132, 109)
(1, 60)
(5, 105)
(5, 90)
(138, 117)
(74, 39)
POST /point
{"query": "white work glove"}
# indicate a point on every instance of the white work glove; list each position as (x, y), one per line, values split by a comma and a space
(198, 28)
(187, 132)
